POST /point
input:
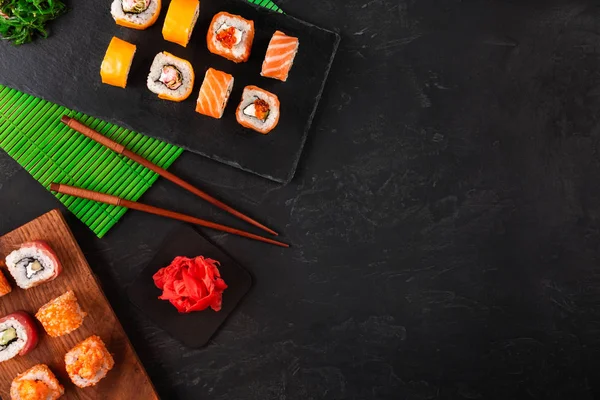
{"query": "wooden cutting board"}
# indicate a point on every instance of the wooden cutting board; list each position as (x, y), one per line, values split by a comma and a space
(128, 379)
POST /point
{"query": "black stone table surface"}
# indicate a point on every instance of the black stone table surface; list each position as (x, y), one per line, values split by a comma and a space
(445, 218)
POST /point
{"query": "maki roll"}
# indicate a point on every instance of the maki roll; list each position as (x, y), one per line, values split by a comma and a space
(4, 285)
(230, 36)
(172, 78)
(214, 93)
(62, 315)
(18, 335)
(136, 14)
(258, 110)
(37, 383)
(88, 362)
(33, 264)
(280, 56)
(180, 21)
(117, 62)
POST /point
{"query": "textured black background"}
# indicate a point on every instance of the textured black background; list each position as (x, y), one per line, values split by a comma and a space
(445, 218)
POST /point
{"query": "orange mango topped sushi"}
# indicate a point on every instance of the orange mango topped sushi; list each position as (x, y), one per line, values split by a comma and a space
(180, 21)
(117, 62)
(136, 14)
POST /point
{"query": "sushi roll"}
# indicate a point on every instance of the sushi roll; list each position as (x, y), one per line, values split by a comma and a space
(230, 36)
(62, 315)
(37, 383)
(4, 285)
(172, 78)
(117, 62)
(280, 56)
(180, 21)
(136, 14)
(88, 362)
(214, 93)
(33, 264)
(18, 335)
(258, 110)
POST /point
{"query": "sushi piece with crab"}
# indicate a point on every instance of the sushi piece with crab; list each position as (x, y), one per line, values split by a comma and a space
(136, 14)
(170, 77)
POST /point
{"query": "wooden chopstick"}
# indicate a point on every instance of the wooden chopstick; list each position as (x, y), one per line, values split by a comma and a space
(120, 149)
(117, 201)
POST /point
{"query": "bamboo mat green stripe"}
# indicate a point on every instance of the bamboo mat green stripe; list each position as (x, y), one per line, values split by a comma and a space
(32, 134)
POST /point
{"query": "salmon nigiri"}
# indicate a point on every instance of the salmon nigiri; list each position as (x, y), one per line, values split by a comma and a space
(280, 56)
(214, 93)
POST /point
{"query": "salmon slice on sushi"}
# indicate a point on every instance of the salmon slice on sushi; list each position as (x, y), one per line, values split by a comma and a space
(171, 78)
(32, 264)
(230, 36)
(18, 335)
(136, 14)
(258, 110)
(280, 56)
(180, 21)
(117, 62)
(214, 93)
(37, 383)
(88, 362)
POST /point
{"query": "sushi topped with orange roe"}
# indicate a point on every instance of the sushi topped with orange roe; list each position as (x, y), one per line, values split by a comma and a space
(88, 362)
(37, 383)
(62, 315)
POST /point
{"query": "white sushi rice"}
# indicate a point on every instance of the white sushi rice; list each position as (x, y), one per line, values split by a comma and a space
(248, 97)
(72, 356)
(196, 14)
(20, 274)
(158, 87)
(242, 25)
(116, 9)
(15, 347)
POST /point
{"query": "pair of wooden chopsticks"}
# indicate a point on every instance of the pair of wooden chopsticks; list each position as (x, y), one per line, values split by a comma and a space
(117, 201)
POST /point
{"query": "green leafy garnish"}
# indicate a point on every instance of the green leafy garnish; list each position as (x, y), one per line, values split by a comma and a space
(22, 20)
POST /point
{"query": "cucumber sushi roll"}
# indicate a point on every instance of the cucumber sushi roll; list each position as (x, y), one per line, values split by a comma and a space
(18, 335)
(33, 264)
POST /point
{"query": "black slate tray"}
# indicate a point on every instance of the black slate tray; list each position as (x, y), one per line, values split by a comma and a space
(65, 69)
(194, 329)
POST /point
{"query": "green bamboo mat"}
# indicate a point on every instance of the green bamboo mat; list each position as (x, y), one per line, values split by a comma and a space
(32, 134)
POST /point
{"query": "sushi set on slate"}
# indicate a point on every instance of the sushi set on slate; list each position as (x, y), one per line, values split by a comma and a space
(203, 75)
(58, 334)
(172, 78)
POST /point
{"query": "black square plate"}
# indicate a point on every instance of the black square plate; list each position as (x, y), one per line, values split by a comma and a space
(65, 69)
(196, 328)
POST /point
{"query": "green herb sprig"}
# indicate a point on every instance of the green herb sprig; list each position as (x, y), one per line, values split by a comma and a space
(22, 20)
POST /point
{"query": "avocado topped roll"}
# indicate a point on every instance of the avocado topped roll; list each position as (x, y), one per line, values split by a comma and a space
(33, 264)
